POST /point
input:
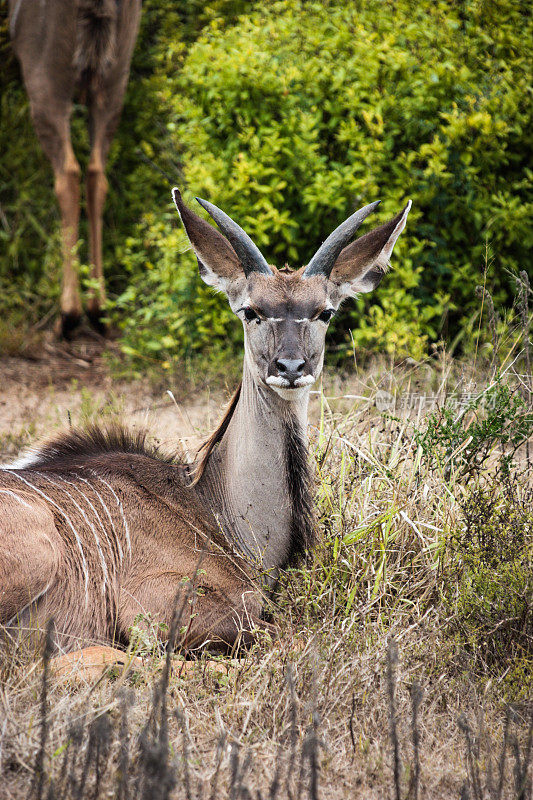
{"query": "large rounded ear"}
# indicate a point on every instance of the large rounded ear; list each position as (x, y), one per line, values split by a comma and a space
(218, 263)
(363, 263)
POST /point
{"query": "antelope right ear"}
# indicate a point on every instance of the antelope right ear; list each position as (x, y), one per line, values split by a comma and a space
(218, 262)
(363, 263)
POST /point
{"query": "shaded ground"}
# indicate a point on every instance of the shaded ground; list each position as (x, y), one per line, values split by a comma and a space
(72, 383)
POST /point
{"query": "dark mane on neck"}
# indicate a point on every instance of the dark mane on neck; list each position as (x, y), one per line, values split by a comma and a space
(299, 485)
(209, 445)
(69, 447)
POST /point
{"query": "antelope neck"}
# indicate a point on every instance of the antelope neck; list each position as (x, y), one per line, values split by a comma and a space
(249, 481)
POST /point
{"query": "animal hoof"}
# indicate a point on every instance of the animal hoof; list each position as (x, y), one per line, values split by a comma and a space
(96, 321)
(68, 324)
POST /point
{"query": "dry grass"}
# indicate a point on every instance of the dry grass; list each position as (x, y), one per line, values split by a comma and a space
(371, 690)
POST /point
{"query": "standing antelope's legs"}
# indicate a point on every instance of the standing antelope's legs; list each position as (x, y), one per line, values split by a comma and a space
(52, 125)
(63, 46)
(96, 194)
(67, 188)
(44, 38)
(103, 120)
(106, 98)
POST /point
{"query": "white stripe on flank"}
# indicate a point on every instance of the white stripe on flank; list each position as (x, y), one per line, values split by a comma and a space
(69, 523)
(15, 495)
(126, 528)
(85, 517)
(117, 540)
(32, 601)
(95, 512)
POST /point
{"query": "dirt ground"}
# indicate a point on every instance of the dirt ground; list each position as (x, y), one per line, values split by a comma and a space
(66, 384)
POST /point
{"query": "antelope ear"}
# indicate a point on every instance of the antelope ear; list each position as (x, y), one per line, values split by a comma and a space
(218, 263)
(363, 263)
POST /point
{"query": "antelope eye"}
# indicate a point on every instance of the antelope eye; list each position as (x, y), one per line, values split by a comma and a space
(249, 315)
(326, 315)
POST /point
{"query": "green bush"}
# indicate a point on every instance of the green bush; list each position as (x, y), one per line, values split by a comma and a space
(487, 585)
(493, 424)
(292, 115)
(302, 111)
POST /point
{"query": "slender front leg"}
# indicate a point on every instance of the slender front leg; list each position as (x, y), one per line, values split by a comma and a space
(105, 107)
(67, 188)
(44, 39)
(52, 125)
(96, 194)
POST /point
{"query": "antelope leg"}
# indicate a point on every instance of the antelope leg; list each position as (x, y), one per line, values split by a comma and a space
(89, 664)
(106, 99)
(45, 42)
(52, 125)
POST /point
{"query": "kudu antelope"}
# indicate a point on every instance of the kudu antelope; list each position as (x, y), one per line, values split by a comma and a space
(97, 527)
(68, 47)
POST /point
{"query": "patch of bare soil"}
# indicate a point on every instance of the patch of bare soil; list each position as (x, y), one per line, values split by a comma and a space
(71, 384)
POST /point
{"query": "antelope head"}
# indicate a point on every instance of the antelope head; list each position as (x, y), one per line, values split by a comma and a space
(285, 313)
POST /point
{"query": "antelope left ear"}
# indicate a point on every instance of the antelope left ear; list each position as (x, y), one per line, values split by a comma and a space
(218, 262)
(363, 263)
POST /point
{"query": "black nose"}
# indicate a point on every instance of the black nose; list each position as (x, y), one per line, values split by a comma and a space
(290, 368)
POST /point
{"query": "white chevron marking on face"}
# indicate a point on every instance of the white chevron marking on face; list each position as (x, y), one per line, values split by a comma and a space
(305, 380)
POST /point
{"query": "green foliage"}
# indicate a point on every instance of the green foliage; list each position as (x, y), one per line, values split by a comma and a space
(487, 585)
(182, 314)
(293, 116)
(463, 439)
(289, 116)
(145, 635)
